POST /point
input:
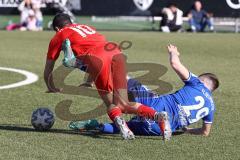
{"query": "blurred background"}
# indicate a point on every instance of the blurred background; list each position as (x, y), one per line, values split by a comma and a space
(140, 22)
(217, 16)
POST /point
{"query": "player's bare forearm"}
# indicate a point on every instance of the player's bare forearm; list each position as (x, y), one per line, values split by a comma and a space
(48, 80)
(176, 64)
(204, 131)
(48, 76)
(196, 131)
(174, 60)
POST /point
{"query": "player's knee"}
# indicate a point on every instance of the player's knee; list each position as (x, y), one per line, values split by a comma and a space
(130, 108)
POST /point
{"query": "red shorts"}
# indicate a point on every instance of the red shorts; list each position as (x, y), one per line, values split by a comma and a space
(107, 68)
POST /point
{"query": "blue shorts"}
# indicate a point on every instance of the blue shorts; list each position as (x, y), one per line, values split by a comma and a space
(147, 97)
(136, 125)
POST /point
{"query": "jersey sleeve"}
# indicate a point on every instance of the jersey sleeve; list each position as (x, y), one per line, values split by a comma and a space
(209, 118)
(54, 49)
(192, 80)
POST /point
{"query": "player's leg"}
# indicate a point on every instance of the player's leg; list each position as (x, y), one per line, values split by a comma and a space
(70, 60)
(121, 98)
(145, 96)
(141, 126)
(100, 70)
(115, 114)
(138, 125)
(140, 93)
(97, 74)
(144, 127)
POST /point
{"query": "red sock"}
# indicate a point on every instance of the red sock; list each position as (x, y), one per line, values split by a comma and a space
(146, 112)
(113, 113)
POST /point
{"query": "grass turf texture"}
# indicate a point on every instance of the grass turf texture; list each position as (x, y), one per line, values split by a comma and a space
(218, 53)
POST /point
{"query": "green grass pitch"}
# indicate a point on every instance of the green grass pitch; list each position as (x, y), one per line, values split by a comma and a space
(218, 53)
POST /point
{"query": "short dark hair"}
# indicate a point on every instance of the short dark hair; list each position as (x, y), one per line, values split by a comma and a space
(60, 20)
(171, 4)
(213, 78)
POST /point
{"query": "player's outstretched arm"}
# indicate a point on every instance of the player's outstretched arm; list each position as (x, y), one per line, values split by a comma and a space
(204, 131)
(48, 76)
(176, 64)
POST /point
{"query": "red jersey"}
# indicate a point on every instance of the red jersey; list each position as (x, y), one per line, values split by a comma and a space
(105, 65)
(83, 40)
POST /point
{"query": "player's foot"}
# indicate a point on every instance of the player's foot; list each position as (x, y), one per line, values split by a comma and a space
(164, 124)
(126, 133)
(69, 58)
(91, 124)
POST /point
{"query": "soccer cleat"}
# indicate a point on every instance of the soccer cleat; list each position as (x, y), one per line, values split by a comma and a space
(69, 57)
(126, 133)
(91, 124)
(164, 124)
(70, 60)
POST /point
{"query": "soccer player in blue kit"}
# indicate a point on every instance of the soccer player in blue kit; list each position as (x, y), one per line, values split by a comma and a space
(186, 106)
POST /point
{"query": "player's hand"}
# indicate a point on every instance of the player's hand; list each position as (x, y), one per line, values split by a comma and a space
(54, 90)
(173, 50)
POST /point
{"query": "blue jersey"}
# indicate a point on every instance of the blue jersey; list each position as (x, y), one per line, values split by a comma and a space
(194, 101)
(186, 106)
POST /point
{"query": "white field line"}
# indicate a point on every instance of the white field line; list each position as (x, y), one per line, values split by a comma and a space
(30, 78)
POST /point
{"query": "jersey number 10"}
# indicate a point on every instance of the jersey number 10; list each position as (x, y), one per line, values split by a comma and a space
(83, 30)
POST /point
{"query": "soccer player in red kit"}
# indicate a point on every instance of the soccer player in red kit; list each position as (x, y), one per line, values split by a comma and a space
(105, 66)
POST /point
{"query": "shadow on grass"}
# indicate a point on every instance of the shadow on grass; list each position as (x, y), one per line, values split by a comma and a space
(28, 128)
(92, 134)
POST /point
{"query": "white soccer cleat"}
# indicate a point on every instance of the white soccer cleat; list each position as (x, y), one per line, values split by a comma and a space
(126, 133)
(164, 124)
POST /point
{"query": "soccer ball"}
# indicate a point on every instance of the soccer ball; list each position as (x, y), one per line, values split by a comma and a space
(42, 119)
